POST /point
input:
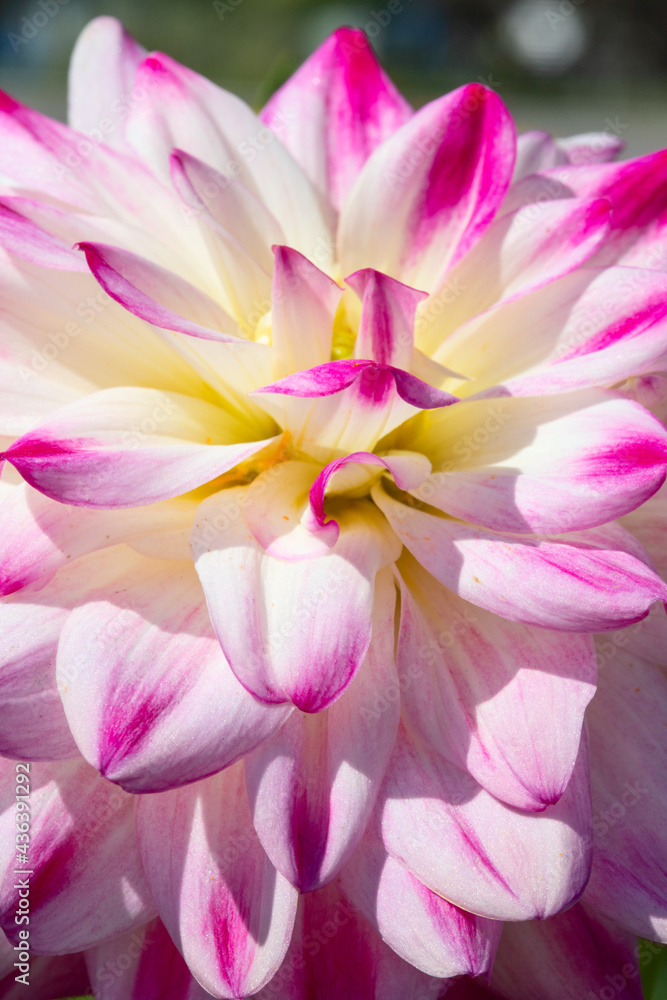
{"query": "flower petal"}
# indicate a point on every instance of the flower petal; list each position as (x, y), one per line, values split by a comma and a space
(229, 912)
(585, 582)
(21, 236)
(501, 700)
(422, 927)
(303, 307)
(386, 328)
(518, 253)
(185, 111)
(477, 852)
(39, 535)
(273, 617)
(33, 725)
(427, 194)
(335, 110)
(101, 75)
(313, 786)
(529, 464)
(147, 692)
(156, 295)
(130, 447)
(86, 882)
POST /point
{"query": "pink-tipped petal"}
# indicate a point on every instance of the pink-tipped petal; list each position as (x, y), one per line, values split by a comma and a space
(423, 928)
(274, 617)
(501, 700)
(584, 582)
(313, 786)
(101, 79)
(184, 111)
(156, 295)
(477, 852)
(570, 956)
(335, 110)
(427, 194)
(24, 238)
(130, 447)
(228, 911)
(357, 403)
(518, 253)
(386, 327)
(563, 463)
(86, 883)
(147, 692)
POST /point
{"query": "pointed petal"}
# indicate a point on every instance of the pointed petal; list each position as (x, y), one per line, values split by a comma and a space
(228, 911)
(427, 194)
(518, 253)
(387, 320)
(185, 111)
(273, 617)
(585, 582)
(409, 470)
(335, 110)
(422, 927)
(501, 700)
(101, 75)
(536, 150)
(147, 692)
(156, 295)
(477, 852)
(86, 883)
(573, 955)
(130, 447)
(303, 307)
(591, 327)
(313, 786)
(23, 237)
(530, 464)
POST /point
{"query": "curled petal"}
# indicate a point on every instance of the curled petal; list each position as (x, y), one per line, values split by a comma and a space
(274, 617)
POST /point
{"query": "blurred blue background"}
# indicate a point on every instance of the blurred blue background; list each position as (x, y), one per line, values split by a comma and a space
(564, 65)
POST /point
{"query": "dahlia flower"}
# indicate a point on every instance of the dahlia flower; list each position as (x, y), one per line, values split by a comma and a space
(333, 437)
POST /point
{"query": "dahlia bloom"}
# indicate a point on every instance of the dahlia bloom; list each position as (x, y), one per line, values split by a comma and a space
(318, 430)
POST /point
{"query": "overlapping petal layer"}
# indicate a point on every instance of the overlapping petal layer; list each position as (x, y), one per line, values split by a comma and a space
(312, 454)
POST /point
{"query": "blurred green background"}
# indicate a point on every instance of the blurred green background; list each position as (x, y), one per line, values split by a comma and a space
(564, 65)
